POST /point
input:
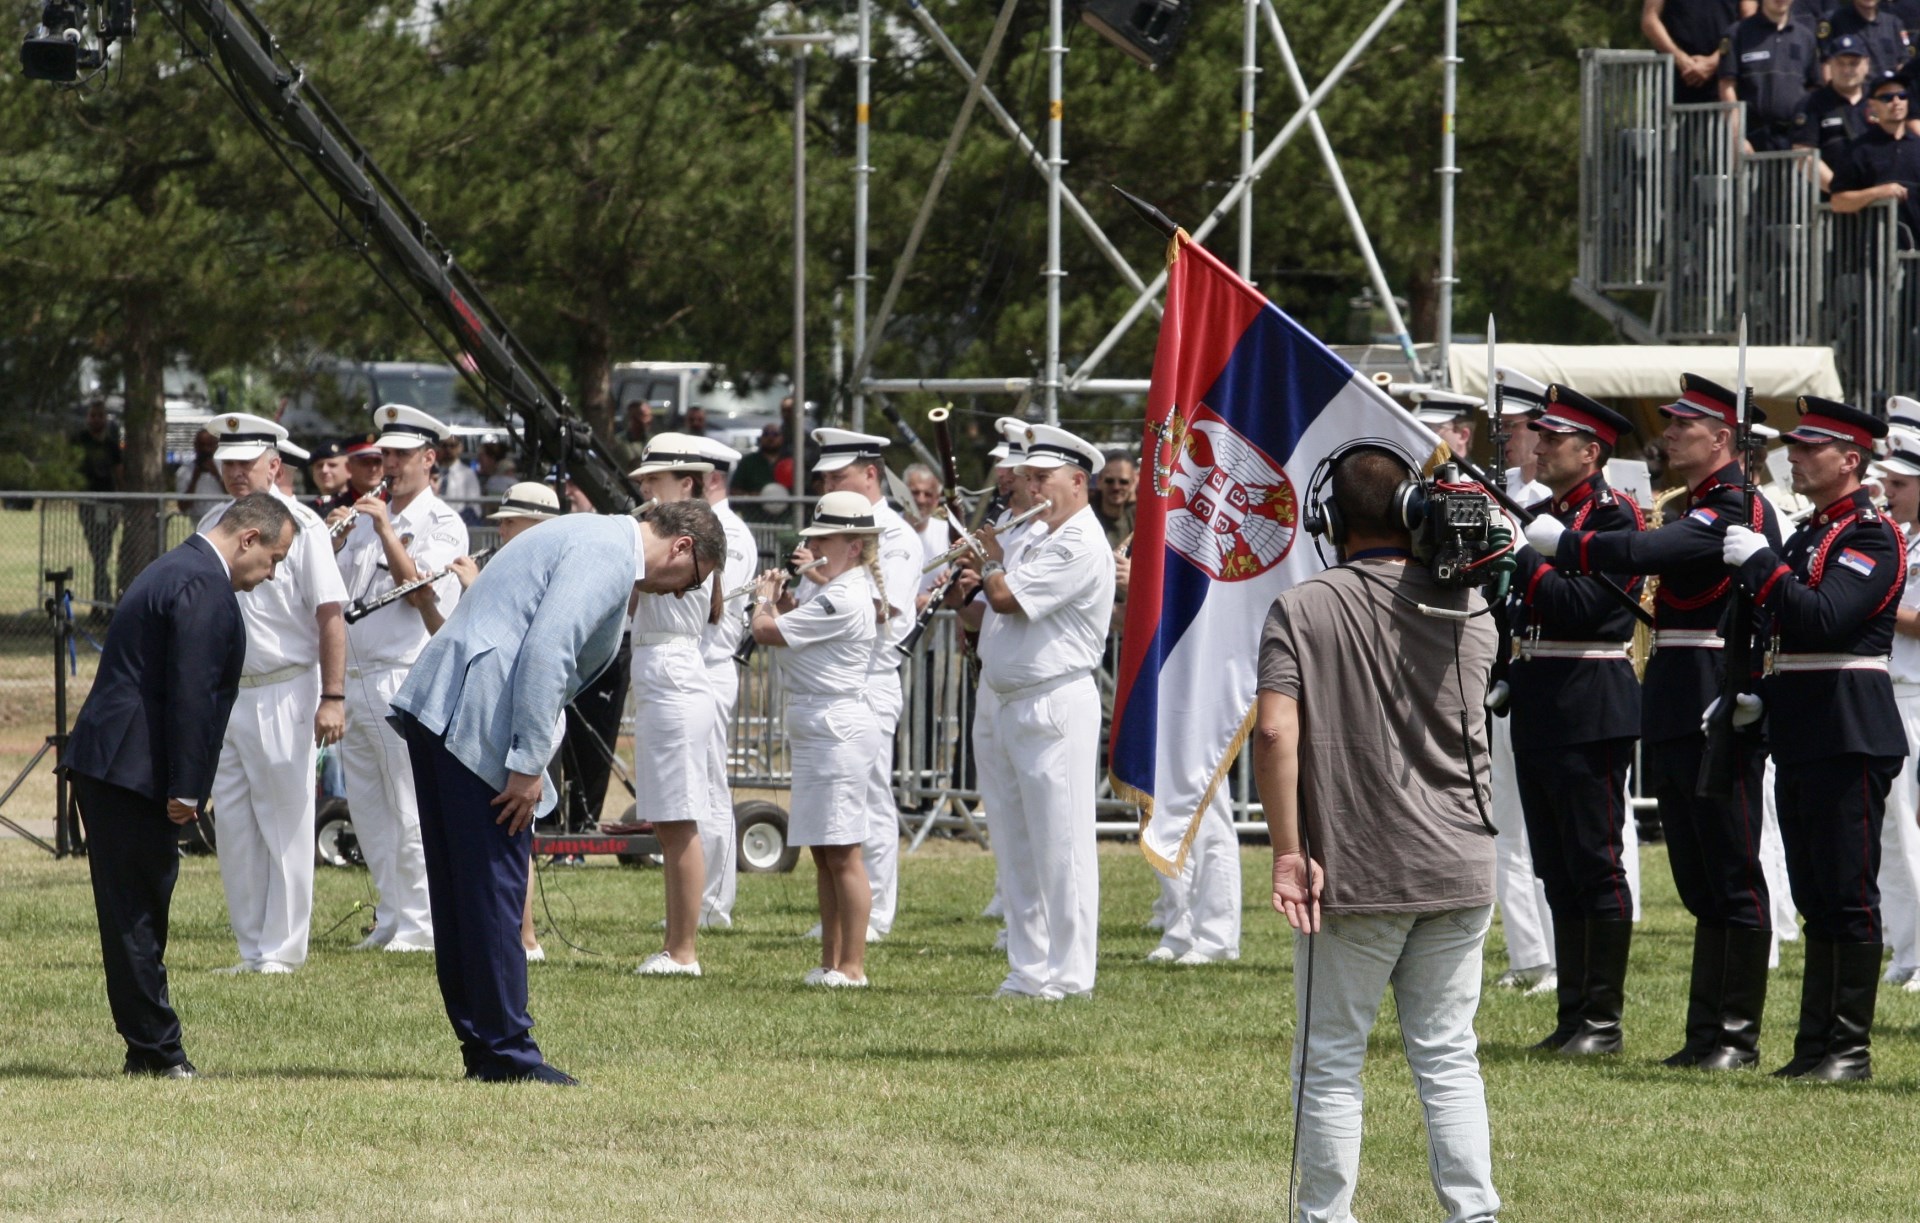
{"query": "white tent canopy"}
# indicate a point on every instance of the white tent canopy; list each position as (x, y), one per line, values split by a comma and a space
(1636, 371)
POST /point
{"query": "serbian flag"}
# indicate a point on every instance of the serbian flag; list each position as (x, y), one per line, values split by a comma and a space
(1245, 404)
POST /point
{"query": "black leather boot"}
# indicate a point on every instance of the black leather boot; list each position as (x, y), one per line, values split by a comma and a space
(1570, 963)
(1743, 998)
(1703, 996)
(1817, 987)
(1848, 1058)
(1606, 990)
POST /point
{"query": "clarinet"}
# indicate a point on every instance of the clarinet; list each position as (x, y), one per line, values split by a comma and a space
(744, 651)
(935, 597)
(360, 609)
(384, 492)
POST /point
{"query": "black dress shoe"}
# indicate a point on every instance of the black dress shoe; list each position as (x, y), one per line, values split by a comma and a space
(180, 1070)
(542, 1073)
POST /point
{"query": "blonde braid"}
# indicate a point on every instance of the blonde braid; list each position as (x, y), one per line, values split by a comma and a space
(870, 557)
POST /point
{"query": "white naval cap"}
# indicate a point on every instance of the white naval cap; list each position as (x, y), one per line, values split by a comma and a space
(1012, 450)
(716, 452)
(1519, 393)
(528, 499)
(843, 513)
(1903, 413)
(405, 428)
(244, 438)
(839, 448)
(1050, 446)
(1433, 406)
(299, 454)
(674, 452)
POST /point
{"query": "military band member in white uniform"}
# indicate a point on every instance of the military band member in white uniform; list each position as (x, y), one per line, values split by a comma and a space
(718, 641)
(290, 704)
(1008, 457)
(833, 732)
(851, 462)
(389, 543)
(1899, 877)
(674, 713)
(1043, 633)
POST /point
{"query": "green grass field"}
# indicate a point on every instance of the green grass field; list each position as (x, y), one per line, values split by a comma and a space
(336, 1092)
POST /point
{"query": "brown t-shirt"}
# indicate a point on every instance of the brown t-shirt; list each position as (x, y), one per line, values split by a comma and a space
(1384, 784)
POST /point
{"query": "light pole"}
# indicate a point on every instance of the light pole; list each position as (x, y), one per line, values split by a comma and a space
(801, 45)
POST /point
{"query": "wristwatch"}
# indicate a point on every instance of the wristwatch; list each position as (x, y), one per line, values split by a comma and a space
(990, 568)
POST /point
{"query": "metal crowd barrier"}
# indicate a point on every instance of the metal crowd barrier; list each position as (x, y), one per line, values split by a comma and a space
(1625, 145)
(1863, 296)
(1705, 257)
(1782, 255)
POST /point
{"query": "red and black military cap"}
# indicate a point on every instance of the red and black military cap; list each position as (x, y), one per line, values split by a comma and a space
(1827, 420)
(1568, 411)
(1700, 398)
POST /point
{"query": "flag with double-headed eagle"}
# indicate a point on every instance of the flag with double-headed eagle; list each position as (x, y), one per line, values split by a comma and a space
(1244, 407)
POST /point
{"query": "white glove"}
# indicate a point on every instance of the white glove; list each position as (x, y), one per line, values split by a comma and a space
(1747, 708)
(1543, 534)
(1740, 545)
(1497, 695)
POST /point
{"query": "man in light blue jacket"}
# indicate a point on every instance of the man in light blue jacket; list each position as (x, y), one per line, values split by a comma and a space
(481, 714)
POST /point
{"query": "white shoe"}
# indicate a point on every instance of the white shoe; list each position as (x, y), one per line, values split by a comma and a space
(814, 933)
(1548, 983)
(1018, 995)
(874, 936)
(373, 942)
(234, 970)
(1191, 958)
(1154, 924)
(815, 976)
(715, 921)
(1000, 939)
(1898, 975)
(1912, 986)
(835, 979)
(1162, 954)
(1521, 978)
(536, 955)
(407, 944)
(274, 968)
(660, 964)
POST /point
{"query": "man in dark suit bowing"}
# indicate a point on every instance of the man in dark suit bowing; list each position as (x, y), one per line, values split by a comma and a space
(143, 751)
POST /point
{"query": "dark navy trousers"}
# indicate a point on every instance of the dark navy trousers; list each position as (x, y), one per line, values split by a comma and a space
(1574, 801)
(476, 887)
(1713, 845)
(1830, 815)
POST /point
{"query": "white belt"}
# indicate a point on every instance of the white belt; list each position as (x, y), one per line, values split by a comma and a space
(1600, 651)
(1827, 662)
(1688, 639)
(266, 678)
(663, 638)
(376, 668)
(1040, 689)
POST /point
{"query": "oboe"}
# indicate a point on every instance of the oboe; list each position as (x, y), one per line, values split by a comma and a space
(384, 492)
(359, 609)
(967, 543)
(749, 587)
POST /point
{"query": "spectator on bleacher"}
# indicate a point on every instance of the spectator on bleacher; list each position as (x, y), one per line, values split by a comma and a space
(1770, 61)
(1690, 32)
(102, 469)
(1835, 115)
(200, 477)
(1884, 164)
(1881, 28)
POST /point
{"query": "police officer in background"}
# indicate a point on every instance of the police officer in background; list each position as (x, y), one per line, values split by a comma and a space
(1690, 32)
(1043, 631)
(1877, 24)
(1575, 710)
(1835, 115)
(1828, 605)
(851, 462)
(717, 644)
(1713, 845)
(392, 542)
(1770, 61)
(292, 701)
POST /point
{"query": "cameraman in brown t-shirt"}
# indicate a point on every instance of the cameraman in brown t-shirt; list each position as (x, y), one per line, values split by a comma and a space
(1372, 742)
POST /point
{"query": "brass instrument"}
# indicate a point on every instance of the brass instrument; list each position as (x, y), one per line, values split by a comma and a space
(970, 544)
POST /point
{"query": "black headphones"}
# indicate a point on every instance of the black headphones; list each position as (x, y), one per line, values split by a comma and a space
(1323, 520)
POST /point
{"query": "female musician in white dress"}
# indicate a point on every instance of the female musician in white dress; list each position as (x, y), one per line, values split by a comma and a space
(831, 731)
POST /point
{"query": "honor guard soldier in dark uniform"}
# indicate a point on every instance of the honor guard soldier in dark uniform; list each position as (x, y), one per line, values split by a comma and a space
(1826, 606)
(1882, 34)
(1771, 62)
(1713, 845)
(1575, 708)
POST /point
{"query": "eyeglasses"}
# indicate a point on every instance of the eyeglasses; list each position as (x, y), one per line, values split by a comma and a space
(698, 577)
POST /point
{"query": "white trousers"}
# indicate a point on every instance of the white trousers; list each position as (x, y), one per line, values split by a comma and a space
(1036, 757)
(1522, 897)
(386, 816)
(717, 840)
(1630, 846)
(1202, 905)
(1773, 867)
(1900, 845)
(881, 850)
(263, 804)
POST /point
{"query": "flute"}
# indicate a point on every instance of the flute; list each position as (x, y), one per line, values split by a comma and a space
(750, 587)
(384, 492)
(968, 544)
(359, 609)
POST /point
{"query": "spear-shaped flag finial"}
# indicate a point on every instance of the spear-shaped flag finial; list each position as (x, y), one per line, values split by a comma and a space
(1148, 213)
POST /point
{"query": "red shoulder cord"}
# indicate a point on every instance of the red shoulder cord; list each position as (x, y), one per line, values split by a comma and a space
(1817, 568)
(1758, 517)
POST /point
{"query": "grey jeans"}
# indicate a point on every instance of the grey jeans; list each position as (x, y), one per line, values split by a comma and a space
(1433, 962)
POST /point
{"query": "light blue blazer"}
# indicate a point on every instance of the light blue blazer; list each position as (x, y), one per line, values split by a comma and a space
(539, 623)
